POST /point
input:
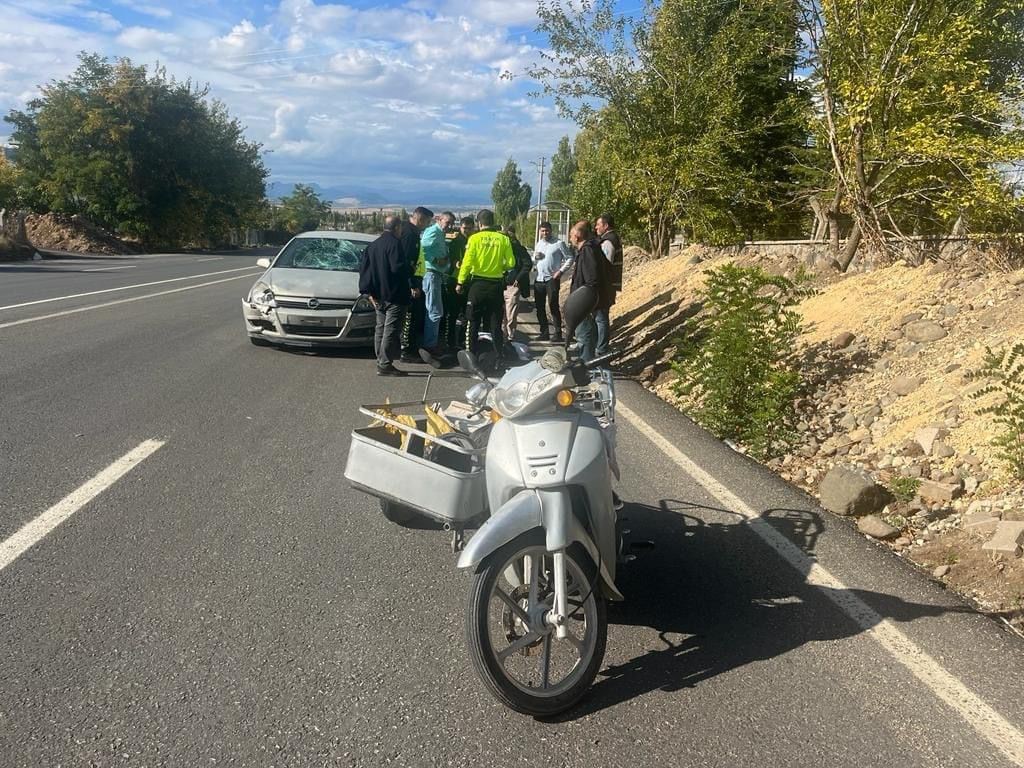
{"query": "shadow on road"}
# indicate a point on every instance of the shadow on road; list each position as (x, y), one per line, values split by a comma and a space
(705, 592)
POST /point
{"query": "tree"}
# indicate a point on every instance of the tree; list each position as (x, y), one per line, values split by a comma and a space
(919, 113)
(690, 128)
(511, 196)
(303, 209)
(8, 183)
(563, 169)
(139, 153)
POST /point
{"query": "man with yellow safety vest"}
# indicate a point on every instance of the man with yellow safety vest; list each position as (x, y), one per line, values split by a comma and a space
(481, 278)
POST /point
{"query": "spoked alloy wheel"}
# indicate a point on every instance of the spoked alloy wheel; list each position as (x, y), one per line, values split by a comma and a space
(514, 651)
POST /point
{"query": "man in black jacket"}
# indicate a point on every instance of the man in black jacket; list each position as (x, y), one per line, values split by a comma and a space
(593, 271)
(384, 277)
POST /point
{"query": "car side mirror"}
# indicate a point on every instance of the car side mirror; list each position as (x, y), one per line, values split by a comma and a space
(264, 262)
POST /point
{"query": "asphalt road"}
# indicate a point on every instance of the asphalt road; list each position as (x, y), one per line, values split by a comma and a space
(230, 601)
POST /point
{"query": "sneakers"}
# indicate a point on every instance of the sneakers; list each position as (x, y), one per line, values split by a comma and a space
(408, 357)
(391, 371)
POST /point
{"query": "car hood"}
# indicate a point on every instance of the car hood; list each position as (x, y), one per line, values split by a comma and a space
(321, 283)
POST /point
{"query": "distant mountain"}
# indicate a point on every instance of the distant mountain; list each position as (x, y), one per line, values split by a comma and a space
(361, 197)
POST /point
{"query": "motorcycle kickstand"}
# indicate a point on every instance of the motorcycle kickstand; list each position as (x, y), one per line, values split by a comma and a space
(458, 540)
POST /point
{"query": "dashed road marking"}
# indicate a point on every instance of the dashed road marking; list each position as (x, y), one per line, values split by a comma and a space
(110, 269)
(30, 533)
(995, 728)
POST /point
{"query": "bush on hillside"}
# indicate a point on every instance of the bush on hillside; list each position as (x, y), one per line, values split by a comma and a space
(1004, 373)
(736, 367)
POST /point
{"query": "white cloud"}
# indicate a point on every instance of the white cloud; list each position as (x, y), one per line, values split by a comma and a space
(380, 98)
(146, 38)
(105, 20)
(146, 9)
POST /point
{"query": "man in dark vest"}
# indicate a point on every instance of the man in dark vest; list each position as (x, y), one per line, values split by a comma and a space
(611, 247)
(385, 277)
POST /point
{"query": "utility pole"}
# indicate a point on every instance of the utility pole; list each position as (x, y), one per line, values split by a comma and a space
(540, 196)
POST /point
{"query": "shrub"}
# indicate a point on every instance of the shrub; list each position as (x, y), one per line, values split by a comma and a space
(737, 368)
(1004, 373)
(904, 489)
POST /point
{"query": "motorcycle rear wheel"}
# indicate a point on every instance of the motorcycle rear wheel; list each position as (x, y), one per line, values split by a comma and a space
(520, 661)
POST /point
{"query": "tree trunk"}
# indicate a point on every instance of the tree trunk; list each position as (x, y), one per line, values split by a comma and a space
(850, 250)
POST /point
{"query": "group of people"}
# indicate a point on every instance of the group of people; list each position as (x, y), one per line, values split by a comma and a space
(446, 284)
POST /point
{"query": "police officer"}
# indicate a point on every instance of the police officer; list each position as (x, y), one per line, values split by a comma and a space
(481, 278)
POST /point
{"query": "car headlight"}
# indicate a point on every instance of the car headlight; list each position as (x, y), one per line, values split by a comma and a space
(262, 295)
(363, 305)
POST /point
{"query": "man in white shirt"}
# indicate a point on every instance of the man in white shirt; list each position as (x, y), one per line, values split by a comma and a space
(552, 257)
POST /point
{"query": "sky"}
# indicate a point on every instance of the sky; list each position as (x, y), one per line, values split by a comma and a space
(404, 99)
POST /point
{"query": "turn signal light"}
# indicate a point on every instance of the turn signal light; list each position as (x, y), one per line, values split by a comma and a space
(495, 417)
(565, 397)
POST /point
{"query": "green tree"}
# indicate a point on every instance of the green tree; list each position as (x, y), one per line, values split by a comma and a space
(139, 153)
(690, 128)
(8, 183)
(303, 209)
(920, 109)
(563, 169)
(510, 194)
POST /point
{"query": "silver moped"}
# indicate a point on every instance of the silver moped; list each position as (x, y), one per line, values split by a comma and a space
(544, 561)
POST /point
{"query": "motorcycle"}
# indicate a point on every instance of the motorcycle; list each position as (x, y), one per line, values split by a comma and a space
(534, 470)
(544, 561)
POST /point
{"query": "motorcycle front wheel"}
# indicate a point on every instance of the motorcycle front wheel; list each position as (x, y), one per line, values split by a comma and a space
(517, 656)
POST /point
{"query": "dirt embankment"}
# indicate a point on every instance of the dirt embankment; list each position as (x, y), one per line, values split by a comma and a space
(885, 356)
(76, 234)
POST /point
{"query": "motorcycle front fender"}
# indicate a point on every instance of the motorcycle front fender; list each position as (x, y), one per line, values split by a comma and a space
(550, 510)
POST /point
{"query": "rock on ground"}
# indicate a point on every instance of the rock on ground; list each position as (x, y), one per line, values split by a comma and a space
(876, 527)
(847, 490)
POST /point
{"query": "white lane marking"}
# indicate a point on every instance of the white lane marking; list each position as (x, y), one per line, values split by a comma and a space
(30, 533)
(108, 269)
(120, 301)
(985, 720)
(124, 288)
(211, 258)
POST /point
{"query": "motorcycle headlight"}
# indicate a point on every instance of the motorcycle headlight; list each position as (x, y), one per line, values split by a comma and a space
(509, 401)
(363, 305)
(262, 295)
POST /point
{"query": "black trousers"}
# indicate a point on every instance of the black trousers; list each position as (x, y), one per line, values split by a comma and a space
(485, 307)
(412, 330)
(546, 298)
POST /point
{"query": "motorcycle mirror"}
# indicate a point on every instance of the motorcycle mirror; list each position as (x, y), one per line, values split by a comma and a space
(470, 365)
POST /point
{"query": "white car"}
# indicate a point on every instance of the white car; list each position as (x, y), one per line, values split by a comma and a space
(309, 295)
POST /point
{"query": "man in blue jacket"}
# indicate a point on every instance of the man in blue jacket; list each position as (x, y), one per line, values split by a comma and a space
(384, 277)
(433, 265)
